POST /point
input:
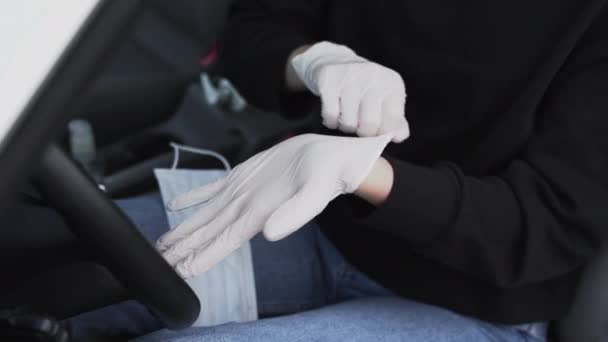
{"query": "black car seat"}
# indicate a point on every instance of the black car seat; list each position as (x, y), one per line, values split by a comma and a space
(170, 37)
(587, 320)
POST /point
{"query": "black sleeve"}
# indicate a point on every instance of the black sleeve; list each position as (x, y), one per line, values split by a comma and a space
(545, 213)
(258, 39)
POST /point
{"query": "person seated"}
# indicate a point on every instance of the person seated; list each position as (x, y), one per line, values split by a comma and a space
(475, 228)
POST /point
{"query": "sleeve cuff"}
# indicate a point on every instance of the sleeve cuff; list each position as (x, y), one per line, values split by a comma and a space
(421, 203)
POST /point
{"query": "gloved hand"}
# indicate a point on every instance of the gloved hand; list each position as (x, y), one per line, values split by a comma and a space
(275, 192)
(358, 96)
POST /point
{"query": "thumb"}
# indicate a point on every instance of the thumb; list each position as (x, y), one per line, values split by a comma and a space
(302, 207)
(330, 111)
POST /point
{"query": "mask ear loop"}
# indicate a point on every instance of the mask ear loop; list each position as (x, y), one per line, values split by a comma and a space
(201, 151)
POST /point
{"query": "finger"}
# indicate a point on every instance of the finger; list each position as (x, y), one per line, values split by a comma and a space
(199, 236)
(397, 128)
(200, 218)
(349, 109)
(198, 195)
(330, 109)
(403, 132)
(302, 207)
(370, 114)
(393, 118)
(224, 244)
(202, 234)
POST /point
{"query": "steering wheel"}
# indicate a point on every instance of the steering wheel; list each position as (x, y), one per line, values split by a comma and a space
(92, 217)
(118, 245)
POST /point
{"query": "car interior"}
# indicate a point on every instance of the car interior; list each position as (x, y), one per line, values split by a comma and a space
(140, 75)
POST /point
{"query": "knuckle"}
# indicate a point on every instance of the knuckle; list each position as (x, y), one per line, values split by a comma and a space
(389, 127)
(187, 263)
(369, 123)
(186, 267)
(163, 240)
(163, 243)
(365, 132)
(348, 124)
(395, 111)
(174, 250)
(370, 120)
(171, 256)
(347, 120)
(326, 76)
(395, 76)
(395, 79)
(370, 116)
(329, 113)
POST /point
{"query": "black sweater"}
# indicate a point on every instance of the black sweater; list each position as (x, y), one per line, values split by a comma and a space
(501, 192)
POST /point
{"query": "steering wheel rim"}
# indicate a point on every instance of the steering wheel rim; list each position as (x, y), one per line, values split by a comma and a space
(118, 245)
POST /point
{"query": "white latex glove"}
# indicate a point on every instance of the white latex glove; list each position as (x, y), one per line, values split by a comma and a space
(275, 192)
(358, 96)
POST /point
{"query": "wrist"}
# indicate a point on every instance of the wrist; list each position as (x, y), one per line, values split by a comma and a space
(377, 186)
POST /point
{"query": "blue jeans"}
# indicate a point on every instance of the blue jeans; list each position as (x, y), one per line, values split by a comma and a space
(306, 291)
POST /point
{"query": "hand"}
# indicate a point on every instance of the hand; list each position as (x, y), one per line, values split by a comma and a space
(275, 192)
(358, 96)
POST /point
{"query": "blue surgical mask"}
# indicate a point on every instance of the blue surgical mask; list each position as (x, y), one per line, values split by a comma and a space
(226, 291)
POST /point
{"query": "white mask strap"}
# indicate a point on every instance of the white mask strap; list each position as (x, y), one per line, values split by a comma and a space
(201, 151)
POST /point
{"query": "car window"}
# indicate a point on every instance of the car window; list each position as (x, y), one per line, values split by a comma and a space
(33, 35)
